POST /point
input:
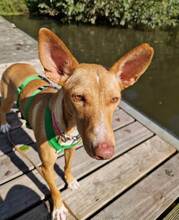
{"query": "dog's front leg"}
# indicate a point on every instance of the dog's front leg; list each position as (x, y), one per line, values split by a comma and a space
(71, 181)
(48, 157)
(59, 211)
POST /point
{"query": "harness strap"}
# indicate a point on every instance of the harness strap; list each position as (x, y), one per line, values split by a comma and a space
(50, 133)
(24, 84)
(30, 99)
(51, 136)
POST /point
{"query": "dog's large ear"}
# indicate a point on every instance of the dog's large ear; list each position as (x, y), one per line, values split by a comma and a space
(133, 64)
(57, 60)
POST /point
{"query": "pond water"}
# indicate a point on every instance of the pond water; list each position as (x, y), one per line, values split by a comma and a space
(156, 94)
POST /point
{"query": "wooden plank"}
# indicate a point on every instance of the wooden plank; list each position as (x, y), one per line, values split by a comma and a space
(30, 133)
(15, 44)
(106, 183)
(149, 198)
(161, 132)
(40, 212)
(126, 137)
(120, 119)
(14, 165)
(19, 136)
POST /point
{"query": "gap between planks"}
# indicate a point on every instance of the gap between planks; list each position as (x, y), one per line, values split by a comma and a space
(111, 180)
(24, 135)
(13, 164)
(30, 188)
(149, 198)
(106, 183)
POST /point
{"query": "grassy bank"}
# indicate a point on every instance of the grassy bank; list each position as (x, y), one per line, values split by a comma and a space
(13, 7)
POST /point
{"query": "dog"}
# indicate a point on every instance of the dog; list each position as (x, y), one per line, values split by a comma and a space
(88, 96)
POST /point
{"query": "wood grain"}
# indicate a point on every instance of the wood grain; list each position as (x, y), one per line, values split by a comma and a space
(149, 198)
(31, 187)
(120, 119)
(14, 165)
(108, 182)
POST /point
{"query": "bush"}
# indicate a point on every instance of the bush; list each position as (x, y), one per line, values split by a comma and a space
(129, 13)
(13, 7)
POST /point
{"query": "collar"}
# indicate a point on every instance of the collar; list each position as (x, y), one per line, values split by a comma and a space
(55, 125)
(62, 142)
(62, 137)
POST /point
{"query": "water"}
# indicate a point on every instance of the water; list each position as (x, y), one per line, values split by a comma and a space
(156, 94)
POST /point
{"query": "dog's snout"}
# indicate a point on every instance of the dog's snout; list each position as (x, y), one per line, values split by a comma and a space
(104, 151)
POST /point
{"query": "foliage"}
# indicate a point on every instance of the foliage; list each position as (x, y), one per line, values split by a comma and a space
(13, 7)
(130, 13)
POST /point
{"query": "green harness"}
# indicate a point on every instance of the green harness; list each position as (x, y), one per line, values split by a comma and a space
(52, 138)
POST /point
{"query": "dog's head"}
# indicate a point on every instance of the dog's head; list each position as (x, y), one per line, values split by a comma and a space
(91, 91)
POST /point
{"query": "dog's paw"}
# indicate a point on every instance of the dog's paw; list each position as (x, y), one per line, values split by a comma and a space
(4, 128)
(60, 213)
(74, 185)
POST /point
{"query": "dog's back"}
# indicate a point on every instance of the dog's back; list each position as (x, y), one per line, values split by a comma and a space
(12, 79)
(16, 74)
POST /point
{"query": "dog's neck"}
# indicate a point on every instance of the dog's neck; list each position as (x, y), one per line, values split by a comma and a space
(63, 118)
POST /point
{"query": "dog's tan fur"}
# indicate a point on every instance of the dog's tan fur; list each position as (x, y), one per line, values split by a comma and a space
(90, 95)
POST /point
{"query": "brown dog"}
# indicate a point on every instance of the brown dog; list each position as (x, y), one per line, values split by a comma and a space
(88, 97)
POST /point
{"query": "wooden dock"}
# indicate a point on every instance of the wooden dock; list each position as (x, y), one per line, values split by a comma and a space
(141, 181)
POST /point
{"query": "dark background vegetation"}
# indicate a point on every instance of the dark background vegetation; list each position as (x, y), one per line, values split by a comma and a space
(126, 13)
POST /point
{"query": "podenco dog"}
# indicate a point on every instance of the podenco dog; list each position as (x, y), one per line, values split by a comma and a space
(87, 99)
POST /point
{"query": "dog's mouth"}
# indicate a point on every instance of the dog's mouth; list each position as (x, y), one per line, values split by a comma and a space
(89, 150)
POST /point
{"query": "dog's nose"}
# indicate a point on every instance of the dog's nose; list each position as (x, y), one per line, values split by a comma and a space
(104, 151)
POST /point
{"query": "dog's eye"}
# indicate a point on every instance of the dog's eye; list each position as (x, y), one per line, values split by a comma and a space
(78, 98)
(114, 99)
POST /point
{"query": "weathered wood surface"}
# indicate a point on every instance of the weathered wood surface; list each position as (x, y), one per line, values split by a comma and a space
(15, 45)
(18, 136)
(31, 187)
(40, 212)
(102, 186)
(14, 165)
(161, 132)
(149, 198)
(121, 119)
(19, 132)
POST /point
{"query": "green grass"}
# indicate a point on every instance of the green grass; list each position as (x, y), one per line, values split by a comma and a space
(13, 7)
(24, 147)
